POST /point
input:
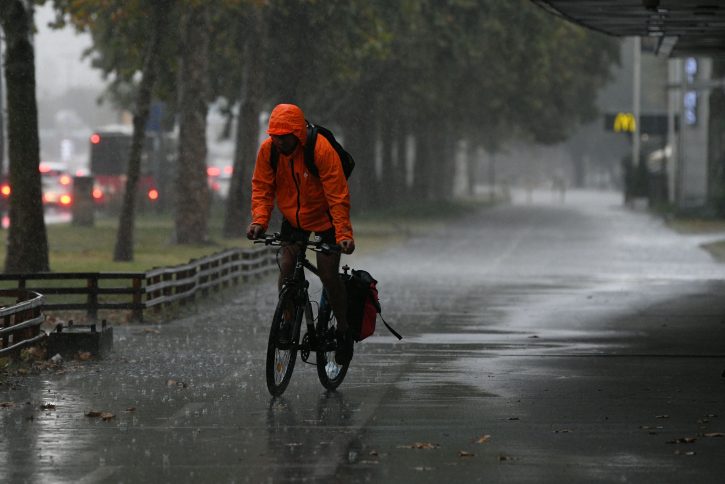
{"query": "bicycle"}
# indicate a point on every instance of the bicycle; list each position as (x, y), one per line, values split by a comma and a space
(320, 332)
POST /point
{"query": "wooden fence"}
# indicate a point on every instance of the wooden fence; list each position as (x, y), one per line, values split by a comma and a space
(21, 319)
(132, 291)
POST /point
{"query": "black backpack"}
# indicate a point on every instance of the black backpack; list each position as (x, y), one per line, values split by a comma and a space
(348, 163)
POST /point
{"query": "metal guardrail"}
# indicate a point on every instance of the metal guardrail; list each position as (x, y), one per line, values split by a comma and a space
(20, 322)
(137, 291)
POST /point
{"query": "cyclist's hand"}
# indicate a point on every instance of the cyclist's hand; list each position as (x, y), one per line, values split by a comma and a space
(348, 246)
(254, 231)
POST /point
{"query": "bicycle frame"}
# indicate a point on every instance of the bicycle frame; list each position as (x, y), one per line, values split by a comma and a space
(294, 301)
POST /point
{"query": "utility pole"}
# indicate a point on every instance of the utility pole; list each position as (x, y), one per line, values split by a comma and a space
(2, 109)
(636, 102)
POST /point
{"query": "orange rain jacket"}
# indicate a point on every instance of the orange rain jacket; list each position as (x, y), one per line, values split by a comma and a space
(306, 201)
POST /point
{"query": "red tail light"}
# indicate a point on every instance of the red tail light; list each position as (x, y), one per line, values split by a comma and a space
(153, 194)
(65, 200)
(213, 171)
(97, 193)
(5, 190)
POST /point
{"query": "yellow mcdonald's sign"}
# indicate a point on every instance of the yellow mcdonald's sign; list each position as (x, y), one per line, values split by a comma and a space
(624, 123)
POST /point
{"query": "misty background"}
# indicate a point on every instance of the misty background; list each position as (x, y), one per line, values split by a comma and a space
(71, 107)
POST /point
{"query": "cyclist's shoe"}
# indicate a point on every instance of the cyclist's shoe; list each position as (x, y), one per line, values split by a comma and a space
(284, 335)
(343, 354)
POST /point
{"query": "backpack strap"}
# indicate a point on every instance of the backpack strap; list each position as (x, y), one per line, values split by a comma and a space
(312, 132)
(395, 333)
(274, 158)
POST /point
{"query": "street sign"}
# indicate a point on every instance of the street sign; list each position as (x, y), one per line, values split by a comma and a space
(652, 124)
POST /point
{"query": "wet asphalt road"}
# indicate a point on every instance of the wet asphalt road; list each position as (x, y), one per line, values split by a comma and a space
(544, 342)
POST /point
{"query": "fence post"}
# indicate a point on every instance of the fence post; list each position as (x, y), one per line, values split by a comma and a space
(137, 300)
(93, 297)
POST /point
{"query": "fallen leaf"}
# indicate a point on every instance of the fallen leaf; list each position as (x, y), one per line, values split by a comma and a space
(562, 431)
(714, 434)
(93, 414)
(106, 416)
(7, 404)
(662, 416)
(689, 452)
(483, 439)
(180, 384)
(131, 409)
(84, 355)
(683, 440)
(503, 458)
(513, 418)
(464, 453)
(151, 331)
(48, 406)
(420, 445)
(373, 453)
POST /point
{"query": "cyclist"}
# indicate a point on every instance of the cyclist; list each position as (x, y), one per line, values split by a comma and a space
(308, 204)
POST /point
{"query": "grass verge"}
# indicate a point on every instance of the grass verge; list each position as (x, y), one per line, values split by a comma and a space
(90, 249)
(694, 226)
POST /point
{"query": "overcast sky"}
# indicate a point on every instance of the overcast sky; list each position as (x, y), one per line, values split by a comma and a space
(58, 58)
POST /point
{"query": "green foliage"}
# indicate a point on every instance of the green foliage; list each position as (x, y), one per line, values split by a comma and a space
(492, 67)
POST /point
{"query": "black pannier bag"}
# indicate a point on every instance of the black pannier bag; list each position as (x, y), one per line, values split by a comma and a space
(363, 306)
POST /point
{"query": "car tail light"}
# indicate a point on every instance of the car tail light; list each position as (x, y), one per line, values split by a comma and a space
(213, 171)
(65, 180)
(153, 194)
(65, 200)
(5, 190)
(97, 194)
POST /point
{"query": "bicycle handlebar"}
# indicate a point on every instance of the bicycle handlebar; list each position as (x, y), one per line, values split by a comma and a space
(315, 245)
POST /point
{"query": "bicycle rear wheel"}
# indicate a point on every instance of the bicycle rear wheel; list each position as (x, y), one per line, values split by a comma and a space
(329, 372)
(280, 357)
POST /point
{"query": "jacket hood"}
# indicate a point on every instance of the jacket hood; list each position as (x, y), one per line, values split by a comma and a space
(288, 118)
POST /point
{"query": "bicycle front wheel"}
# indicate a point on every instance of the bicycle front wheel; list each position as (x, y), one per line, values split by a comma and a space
(329, 372)
(281, 355)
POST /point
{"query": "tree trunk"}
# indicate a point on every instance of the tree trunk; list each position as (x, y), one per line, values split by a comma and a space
(238, 205)
(192, 190)
(359, 136)
(471, 167)
(27, 244)
(426, 144)
(123, 250)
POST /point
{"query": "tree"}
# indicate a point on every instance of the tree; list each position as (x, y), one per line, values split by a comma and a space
(123, 249)
(27, 245)
(238, 204)
(192, 191)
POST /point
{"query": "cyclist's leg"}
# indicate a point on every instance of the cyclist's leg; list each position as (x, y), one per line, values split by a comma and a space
(289, 250)
(329, 267)
(287, 260)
